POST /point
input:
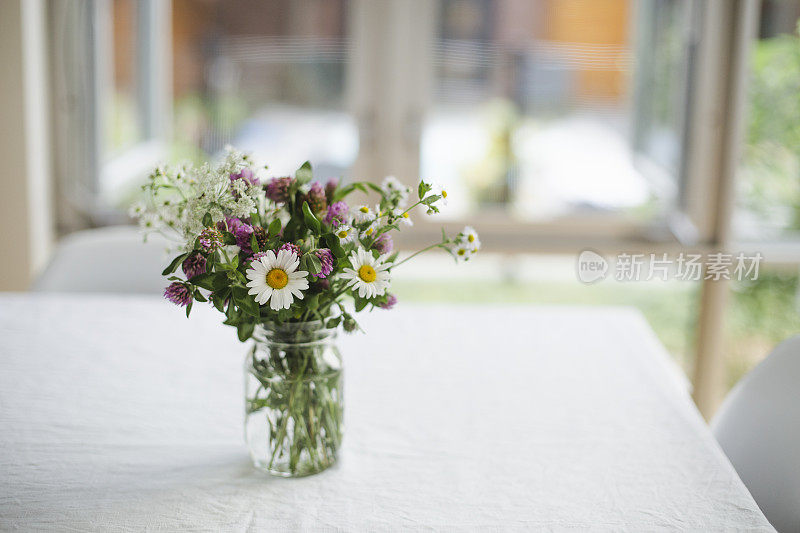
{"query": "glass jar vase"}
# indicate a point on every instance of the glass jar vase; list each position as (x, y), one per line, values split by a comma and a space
(293, 398)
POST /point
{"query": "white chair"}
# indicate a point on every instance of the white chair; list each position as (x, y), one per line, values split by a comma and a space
(758, 426)
(112, 259)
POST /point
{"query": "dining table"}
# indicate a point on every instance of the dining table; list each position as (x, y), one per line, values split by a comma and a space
(117, 413)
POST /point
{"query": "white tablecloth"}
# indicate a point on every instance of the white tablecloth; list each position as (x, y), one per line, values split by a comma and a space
(118, 414)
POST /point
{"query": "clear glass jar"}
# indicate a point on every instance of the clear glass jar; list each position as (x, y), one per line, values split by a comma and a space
(293, 398)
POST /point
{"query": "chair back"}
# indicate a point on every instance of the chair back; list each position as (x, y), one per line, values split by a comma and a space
(758, 427)
(110, 260)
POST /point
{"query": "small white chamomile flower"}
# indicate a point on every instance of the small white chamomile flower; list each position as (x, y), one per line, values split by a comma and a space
(345, 233)
(368, 276)
(470, 237)
(461, 251)
(363, 213)
(403, 216)
(439, 190)
(275, 279)
(369, 231)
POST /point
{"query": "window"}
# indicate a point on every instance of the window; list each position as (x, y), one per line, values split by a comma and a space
(539, 107)
(551, 114)
(768, 194)
(268, 77)
(110, 102)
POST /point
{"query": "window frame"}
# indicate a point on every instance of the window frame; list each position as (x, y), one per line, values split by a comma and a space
(91, 182)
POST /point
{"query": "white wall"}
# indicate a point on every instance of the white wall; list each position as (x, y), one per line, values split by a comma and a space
(26, 213)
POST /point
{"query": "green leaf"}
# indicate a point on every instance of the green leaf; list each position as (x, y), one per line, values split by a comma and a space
(219, 301)
(290, 231)
(274, 227)
(173, 266)
(361, 303)
(333, 243)
(231, 313)
(314, 264)
(254, 243)
(207, 220)
(203, 281)
(374, 187)
(311, 221)
(386, 228)
(245, 301)
(219, 282)
(228, 237)
(341, 192)
(255, 219)
(392, 258)
(189, 308)
(423, 189)
(431, 199)
(199, 296)
(333, 322)
(304, 173)
(312, 302)
(245, 330)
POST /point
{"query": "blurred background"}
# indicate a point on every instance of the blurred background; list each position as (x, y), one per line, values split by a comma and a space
(654, 126)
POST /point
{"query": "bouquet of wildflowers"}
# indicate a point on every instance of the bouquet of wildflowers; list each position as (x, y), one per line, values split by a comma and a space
(286, 249)
(274, 255)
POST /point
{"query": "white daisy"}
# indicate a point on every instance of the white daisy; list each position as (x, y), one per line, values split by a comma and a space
(470, 237)
(368, 275)
(345, 233)
(403, 216)
(363, 213)
(275, 279)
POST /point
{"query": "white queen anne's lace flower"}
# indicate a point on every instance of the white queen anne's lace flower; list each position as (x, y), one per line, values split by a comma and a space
(393, 188)
(275, 279)
(369, 276)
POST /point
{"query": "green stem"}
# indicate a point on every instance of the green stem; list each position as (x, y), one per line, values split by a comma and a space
(282, 432)
(417, 253)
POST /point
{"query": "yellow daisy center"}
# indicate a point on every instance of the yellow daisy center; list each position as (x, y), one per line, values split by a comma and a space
(461, 251)
(471, 238)
(369, 231)
(444, 193)
(277, 278)
(364, 209)
(342, 234)
(367, 273)
(404, 215)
